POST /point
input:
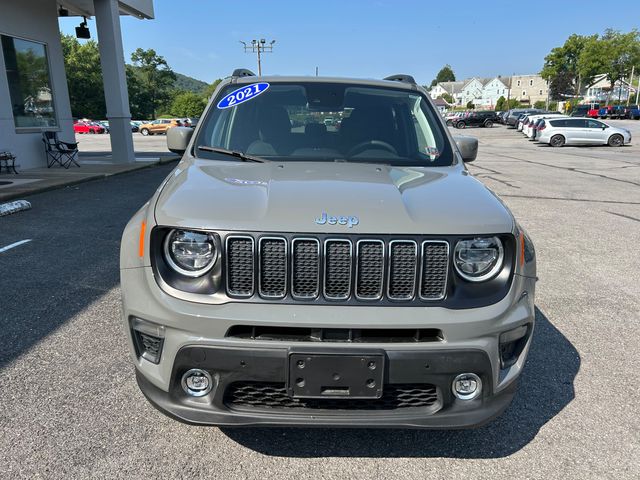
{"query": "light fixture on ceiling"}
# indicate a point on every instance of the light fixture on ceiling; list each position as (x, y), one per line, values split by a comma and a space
(82, 31)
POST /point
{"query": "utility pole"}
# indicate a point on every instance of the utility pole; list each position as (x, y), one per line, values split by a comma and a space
(633, 68)
(258, 47)
(638, 91)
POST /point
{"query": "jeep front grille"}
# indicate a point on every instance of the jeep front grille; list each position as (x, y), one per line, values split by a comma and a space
(336, 269)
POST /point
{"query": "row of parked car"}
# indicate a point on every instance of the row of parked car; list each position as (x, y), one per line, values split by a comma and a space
(146, 127)
(557, 129)
(594, 110)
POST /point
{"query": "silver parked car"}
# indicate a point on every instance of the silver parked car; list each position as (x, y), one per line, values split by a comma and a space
(581, 131)
(358, 276)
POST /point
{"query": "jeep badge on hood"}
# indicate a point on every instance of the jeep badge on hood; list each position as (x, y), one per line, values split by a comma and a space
(349, 221)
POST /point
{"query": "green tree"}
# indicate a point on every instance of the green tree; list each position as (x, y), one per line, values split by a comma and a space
(208, 91)
(444, 75)
(561, 66)
(447, 98)
(84, 77)
(540, 104)
(155, 77)
(470, 105)
(187, 104)
(513, 103)
(614, 54)
(501, 104)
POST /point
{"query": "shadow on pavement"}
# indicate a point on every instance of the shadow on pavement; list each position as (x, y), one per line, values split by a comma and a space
(72, 259)
(546, 387)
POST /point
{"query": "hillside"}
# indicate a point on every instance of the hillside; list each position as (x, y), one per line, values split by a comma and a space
(184, 82)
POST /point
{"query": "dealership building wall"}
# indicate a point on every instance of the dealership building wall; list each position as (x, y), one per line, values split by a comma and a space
(35, 20)
(34, 96)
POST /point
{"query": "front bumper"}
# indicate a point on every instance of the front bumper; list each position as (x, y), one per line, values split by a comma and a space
(196, 337)
(230, 366)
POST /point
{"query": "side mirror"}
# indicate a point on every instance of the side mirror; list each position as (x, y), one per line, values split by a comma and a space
(178, 139)
(468, 147)
(604, 127)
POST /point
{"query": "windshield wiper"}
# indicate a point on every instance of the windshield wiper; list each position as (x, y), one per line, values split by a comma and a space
(233, 153)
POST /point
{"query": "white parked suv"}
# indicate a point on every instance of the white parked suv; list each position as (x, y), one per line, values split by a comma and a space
(581, 131)
(527, 128)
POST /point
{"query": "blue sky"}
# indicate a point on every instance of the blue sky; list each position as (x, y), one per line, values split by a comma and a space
(201, 38)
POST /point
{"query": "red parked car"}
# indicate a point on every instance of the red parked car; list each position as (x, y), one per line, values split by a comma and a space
(87, 127)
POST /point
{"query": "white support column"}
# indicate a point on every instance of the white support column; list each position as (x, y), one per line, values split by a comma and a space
(114, 79)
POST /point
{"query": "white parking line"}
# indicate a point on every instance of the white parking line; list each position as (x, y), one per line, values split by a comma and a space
(14, 245)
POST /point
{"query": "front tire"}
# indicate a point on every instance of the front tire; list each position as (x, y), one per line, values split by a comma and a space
(616, 140)
(461, 125)
(557, 141)
(144, 131)
(488, 124)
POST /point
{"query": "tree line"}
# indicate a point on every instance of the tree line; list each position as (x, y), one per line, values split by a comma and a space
(573, 66)
(151, 84)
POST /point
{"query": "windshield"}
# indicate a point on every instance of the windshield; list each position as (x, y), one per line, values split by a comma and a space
(325, 122)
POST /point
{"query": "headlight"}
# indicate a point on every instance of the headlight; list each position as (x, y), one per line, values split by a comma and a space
(190, 253)
(478, 259)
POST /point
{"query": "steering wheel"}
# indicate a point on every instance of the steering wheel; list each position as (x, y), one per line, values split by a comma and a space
(376, 144)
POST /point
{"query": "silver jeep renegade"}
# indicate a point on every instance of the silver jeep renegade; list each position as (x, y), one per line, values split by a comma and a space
(322, 257)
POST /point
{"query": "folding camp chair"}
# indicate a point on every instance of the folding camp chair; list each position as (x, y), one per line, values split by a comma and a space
(57, 151)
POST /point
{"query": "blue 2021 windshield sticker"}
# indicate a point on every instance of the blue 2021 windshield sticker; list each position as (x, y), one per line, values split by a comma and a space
(243, 94)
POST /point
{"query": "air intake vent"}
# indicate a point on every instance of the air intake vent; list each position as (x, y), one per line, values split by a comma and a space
(306, 268)
(240, 267)
(337, 269)
(435, 269)
(370, 269)
(402, 269)
(272, 396)
(273, 267)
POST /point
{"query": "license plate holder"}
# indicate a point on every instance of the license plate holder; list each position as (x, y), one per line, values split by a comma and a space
(331, 375)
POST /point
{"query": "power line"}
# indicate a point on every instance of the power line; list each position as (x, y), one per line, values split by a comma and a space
(258, 47)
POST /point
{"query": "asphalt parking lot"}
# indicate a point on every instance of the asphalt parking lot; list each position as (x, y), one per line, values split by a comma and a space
(70, 406)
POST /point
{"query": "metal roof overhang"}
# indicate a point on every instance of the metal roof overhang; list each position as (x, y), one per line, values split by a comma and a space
(142, 9)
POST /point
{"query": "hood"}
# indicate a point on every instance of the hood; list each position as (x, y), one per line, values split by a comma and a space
(304, 196)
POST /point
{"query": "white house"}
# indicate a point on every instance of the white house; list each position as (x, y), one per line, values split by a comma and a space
(33, 85)
(492, 91)
(452, 88)
(600, 90)
(472, 90)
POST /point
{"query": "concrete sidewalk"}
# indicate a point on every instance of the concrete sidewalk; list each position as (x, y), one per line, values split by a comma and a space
(92, 166)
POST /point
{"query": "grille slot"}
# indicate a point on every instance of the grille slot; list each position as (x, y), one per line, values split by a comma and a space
(435, 270)
(335, 335)
(240, 267)
(305, 281)
(272, 396)
(402, 269)
(273, 267)
(370, 269)
(337, 269)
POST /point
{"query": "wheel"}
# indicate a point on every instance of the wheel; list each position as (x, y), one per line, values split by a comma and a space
(92, 131)
(488, 124)
(461, 125)
(448, 123)
(616, 140)
(144, 131)
(557, 141)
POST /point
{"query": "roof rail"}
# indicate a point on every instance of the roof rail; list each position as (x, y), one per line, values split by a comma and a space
(401, 77)
(242, 72)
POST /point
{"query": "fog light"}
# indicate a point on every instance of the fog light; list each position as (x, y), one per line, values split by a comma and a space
(467, 386)
(196, 382)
